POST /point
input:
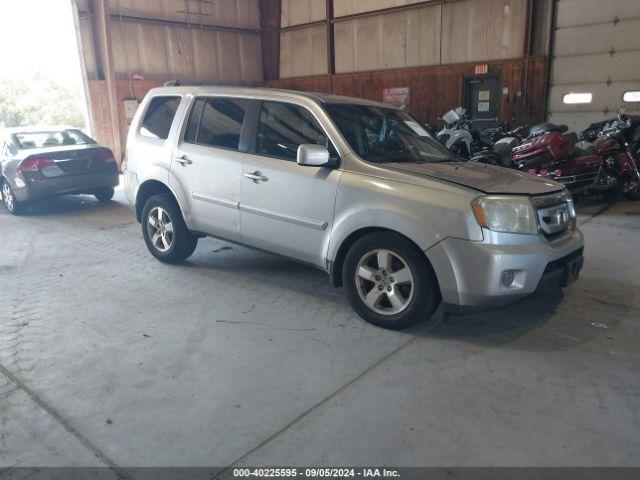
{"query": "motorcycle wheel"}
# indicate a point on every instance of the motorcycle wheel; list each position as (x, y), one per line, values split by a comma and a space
(631, 191)
(460, 149)
(632, 194)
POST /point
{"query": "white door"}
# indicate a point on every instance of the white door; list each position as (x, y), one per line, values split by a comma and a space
(208, 164)
(284, 207)
(596, 54)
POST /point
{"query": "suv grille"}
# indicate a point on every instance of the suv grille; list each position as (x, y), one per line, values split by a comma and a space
(553, 212)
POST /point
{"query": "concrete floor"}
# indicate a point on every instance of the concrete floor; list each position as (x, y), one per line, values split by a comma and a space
(108, 357)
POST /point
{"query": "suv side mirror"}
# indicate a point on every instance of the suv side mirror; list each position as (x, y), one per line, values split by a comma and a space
(311, 155)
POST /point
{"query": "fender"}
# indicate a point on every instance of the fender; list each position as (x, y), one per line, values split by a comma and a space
(388, 218)
(160, 174)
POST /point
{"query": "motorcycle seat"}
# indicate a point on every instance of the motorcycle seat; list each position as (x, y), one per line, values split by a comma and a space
(548, 127)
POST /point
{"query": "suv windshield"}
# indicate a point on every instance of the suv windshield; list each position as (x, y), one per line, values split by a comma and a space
(48, 139)
(386, 135)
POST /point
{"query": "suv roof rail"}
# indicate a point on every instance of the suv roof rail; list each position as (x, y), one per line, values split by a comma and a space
(221, 83)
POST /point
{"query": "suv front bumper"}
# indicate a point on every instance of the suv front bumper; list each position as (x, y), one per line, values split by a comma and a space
(470, 274)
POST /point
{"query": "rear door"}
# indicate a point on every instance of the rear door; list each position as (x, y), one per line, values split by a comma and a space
(208, 164)
(284, 207)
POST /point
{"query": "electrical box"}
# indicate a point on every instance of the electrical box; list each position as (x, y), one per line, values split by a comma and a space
(130, 109)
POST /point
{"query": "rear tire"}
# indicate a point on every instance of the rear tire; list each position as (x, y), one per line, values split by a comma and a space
(631, 190)
(389, 281)
(104, 194)
(164, 231)
(13, 205)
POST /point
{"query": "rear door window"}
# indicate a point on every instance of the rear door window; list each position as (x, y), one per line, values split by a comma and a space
(217, 122)
(159, 117)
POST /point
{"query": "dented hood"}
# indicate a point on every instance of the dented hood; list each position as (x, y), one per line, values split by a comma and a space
(482, 177)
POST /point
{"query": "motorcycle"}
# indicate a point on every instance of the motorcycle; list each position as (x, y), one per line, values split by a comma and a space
(503, 140)
(616, 141)
(459, 137)
(551, 152)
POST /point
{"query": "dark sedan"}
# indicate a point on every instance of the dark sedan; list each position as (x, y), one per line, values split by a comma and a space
(42, 162)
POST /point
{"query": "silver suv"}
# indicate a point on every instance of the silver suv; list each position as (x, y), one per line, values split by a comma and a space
(356, 188)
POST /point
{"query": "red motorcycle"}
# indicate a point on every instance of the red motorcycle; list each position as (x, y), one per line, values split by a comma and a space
(617, 142)
(548, 151)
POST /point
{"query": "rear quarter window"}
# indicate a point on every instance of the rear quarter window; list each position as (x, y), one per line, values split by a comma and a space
(159, 117)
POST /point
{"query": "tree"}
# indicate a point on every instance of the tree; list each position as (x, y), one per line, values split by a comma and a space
(39, 100)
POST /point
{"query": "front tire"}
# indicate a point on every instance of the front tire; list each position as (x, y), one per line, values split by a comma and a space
(389, 281)
(13, 205)
(164, 231)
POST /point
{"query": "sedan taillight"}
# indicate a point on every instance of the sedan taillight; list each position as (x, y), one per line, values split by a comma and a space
(34, 164)
(104, 155)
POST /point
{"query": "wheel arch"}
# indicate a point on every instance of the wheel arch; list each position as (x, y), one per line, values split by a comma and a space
(149, 188)
(335, 269)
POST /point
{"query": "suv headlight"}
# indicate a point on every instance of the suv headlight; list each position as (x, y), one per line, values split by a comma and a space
(506, 214)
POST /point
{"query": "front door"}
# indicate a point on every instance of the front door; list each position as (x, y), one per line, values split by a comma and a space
(483, 101)
(284, 207)
(208, 163)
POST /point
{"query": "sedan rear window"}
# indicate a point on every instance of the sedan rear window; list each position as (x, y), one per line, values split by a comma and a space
(49, 139)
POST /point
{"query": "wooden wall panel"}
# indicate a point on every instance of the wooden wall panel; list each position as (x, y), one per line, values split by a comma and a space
(251, 54)
(297, 12)
(88, 48)
(342, 8)
(303, 52)
(160, 51)
(395, 40)
(435, 90)
(468, 31)
(170, 52)
(480, 30)
(237, 13)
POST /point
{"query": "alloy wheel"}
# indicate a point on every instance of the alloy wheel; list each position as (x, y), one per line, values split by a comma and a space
(384, 282)
(160, 229)
(7, 195)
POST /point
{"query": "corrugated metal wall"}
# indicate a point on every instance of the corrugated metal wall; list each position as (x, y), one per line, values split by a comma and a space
(597, 51)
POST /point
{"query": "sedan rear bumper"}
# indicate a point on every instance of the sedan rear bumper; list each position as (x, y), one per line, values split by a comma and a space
(38, 186)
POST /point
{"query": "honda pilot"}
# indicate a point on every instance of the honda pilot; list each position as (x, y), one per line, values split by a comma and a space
(356, 188)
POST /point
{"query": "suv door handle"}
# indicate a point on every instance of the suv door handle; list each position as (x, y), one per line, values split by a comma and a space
(256, 177)
(184, 160)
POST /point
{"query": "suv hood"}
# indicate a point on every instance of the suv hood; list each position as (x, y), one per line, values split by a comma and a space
(479, 176)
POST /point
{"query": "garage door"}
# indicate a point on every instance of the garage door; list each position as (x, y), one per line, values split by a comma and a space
(596, 62)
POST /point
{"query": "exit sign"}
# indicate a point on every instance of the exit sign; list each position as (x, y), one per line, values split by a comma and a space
(482, 69)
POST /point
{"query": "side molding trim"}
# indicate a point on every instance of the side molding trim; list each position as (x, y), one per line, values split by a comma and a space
(303, 222)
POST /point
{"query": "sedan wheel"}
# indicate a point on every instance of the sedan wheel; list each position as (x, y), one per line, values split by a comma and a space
(10, 201)
(7, 196)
